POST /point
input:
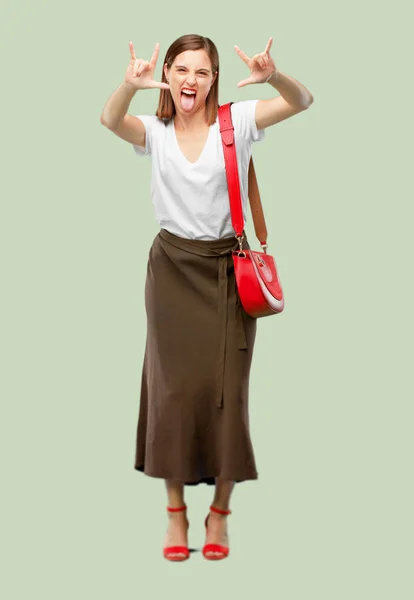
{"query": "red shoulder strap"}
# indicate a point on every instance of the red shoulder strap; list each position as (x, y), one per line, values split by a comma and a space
(232, 173)
(233, 183)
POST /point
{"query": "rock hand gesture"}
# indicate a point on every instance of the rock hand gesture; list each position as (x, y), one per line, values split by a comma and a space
(261, 65)
(140, 72)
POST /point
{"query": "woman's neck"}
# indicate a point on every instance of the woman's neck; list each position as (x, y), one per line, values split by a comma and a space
(190, 123)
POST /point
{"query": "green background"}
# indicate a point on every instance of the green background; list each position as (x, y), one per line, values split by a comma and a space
(330, 517)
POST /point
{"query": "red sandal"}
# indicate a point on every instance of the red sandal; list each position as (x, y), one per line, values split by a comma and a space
(170, 551)
(223, 550)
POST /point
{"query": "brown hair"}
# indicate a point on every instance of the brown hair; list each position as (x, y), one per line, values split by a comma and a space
(166, 108)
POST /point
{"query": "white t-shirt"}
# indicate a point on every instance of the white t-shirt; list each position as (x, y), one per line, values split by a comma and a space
(191, 199)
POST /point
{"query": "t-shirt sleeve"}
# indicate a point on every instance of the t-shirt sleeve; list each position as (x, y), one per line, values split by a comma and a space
(243, 115)
(148, 121)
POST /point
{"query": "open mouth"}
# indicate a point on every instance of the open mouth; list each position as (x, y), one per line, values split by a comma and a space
(187, 98)
(188, 92)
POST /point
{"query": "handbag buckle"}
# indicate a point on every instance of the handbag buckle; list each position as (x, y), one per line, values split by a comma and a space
(240, 252)
(240, 240)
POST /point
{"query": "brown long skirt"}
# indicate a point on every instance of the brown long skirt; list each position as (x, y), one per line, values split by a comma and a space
(193, 422)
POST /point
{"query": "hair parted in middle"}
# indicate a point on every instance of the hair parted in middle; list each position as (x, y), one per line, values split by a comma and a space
(192, 41)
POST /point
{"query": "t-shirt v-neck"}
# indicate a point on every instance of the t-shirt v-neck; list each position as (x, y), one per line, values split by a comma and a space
(203, 151)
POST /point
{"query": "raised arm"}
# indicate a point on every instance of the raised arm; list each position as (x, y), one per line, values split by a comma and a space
(115, 117)
(294, 97)
(139, 76)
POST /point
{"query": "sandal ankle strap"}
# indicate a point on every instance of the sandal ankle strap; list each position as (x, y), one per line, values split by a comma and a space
(220, 511)
(176, 509)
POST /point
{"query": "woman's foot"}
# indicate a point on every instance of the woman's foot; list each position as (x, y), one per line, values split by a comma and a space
(177, 533)
(216, 533)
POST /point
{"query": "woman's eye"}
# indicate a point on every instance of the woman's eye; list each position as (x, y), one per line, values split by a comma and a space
(182, 70)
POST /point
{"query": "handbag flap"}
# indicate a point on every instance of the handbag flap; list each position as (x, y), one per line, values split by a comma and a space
(266, 269)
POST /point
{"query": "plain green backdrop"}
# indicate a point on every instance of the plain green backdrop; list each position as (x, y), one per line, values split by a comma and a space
(331, 418)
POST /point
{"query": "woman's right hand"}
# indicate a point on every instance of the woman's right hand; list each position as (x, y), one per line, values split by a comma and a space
(140, 72)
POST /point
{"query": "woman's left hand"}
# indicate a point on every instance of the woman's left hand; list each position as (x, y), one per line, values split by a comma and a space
(261, 65)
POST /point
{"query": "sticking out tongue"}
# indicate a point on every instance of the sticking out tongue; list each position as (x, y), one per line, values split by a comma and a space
(187, 101)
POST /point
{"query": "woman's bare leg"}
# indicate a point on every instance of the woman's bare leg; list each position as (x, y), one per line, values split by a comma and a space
(217, 524)
(175, 493)
(178, 523)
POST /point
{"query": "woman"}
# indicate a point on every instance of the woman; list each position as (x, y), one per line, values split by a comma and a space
(193, 424)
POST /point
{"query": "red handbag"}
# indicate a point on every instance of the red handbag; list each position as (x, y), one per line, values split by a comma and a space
(256, 274)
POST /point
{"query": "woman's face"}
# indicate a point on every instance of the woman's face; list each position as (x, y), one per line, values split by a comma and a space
(191, 69)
